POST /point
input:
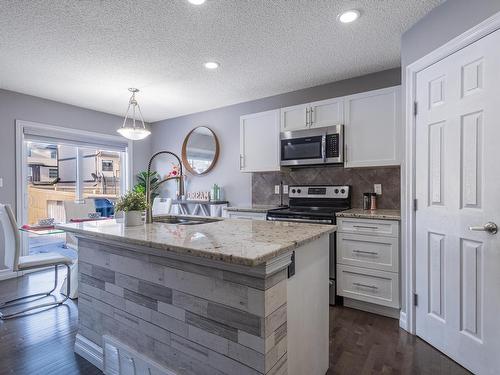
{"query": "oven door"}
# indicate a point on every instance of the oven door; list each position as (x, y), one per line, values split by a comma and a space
(299, 220)
(303, 147)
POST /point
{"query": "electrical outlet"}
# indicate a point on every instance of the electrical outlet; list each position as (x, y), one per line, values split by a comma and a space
(285, 189)
(378, 189)
(276, 189)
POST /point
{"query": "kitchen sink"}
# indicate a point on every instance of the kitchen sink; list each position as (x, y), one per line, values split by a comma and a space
(183, 220)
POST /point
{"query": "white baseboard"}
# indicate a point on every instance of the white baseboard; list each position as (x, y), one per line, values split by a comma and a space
(90, 351)
(7, 274)
(372, 308)
(403, 323)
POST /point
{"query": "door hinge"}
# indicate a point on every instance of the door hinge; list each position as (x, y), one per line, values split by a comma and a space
(415, 108)
(415, 299)
(415, 204)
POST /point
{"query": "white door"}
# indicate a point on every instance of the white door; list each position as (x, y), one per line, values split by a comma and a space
(295, 117)
(458, 186)
(260, 141)
(372, 128)
(326, 113)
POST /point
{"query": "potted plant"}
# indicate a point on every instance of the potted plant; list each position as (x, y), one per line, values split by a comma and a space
(154, 179)
(132, 204)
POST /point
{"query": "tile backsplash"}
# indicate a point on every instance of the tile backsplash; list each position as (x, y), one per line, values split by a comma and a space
(360, 179)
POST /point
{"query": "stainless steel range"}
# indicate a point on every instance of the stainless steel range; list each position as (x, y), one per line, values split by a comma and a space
(316, 204)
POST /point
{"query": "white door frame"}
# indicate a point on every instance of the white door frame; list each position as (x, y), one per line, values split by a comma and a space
(490, 25)
(21, 151)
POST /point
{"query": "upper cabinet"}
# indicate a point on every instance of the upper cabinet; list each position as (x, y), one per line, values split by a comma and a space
(295, 118)
(313, 115)
(373, 128)
(259, 142)
(326, 113)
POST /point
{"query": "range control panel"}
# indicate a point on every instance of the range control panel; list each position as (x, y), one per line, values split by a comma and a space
(326, 191)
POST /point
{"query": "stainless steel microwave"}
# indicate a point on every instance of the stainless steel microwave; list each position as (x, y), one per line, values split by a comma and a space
(312, 146)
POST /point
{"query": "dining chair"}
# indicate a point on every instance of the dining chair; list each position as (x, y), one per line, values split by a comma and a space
(12, 243)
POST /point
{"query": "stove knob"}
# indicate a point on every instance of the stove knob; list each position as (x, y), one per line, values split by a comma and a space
(298, 191)
(336, 191)
(293, 191)
(342, 191)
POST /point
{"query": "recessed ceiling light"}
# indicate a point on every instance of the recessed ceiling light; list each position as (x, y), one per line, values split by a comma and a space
(196, 2)
(212, 65)
(349, 16)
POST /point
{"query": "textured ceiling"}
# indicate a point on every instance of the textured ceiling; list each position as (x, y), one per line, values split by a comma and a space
(88, 52)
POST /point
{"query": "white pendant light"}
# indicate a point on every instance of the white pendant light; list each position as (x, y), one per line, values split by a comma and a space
(131, 130)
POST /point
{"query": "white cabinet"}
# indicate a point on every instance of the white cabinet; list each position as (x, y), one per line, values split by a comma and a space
(313, 115)
(259, 142)
(373, 128)
(295, 118)
(372, 131)
(368, 261)
(246, 215)
(326, 113)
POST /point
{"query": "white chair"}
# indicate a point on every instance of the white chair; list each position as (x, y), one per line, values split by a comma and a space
(29, 262)
(75, 210)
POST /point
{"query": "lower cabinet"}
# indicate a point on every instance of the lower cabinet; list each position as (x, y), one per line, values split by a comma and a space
(368, 261)
(369, 285)
(246, 215)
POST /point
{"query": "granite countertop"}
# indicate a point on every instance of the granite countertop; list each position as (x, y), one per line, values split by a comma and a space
(243, 242)
(384, 214)
(258, 208)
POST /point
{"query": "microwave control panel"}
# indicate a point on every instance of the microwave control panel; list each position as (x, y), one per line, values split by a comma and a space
(332, 146)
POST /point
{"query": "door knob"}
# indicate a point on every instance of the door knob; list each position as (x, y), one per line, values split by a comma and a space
(489, 227)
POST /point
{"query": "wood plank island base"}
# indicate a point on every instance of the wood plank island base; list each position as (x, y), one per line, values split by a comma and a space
(213, 298)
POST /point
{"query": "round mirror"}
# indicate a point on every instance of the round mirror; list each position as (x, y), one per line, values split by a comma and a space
(200, 150)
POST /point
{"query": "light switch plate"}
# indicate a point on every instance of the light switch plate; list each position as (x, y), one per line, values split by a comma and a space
(276, 189)
(378, 189)
(285, 189)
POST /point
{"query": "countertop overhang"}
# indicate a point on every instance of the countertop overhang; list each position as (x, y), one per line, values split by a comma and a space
(241, 242)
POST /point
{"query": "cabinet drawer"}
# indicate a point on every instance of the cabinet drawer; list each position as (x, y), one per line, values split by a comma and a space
(368, 226)
(379, 287)
(246, 215)
(376, 252)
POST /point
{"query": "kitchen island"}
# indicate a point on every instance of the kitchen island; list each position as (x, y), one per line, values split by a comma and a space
(225, 297)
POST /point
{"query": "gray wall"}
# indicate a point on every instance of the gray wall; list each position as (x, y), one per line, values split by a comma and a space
(442, 24)
(15, 106)
(169, 134)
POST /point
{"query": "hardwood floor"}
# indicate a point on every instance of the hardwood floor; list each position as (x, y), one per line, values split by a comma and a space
(360, 343)
(41, 343)
(363, 343)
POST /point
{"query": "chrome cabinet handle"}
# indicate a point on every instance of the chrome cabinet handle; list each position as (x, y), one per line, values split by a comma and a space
(365, 252)
(365, 285)
(364, 227)
(489, 227)
(311, 116)
(307, 116)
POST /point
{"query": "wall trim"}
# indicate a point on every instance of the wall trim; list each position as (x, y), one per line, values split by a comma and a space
(488, 26)
(90, 351)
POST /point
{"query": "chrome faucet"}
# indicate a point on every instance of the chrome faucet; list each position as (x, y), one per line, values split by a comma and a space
(149, 209)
